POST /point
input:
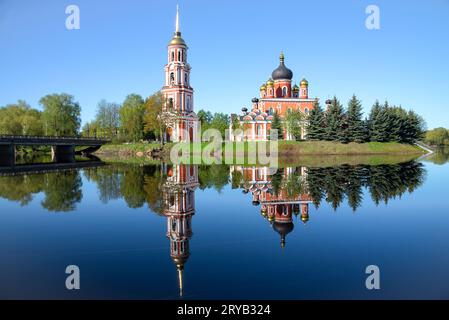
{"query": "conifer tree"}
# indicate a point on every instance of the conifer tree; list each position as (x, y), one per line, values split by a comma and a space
(276, 124)
(356, 125)
(316, 125)
(334, 121)
(373, 121)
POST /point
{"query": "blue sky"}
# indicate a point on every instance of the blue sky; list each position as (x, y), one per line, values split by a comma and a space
(234, 45)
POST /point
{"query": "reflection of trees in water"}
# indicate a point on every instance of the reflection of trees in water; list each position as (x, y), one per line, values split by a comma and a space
(21, 188)
(441, 156)
(213, 176)
(107, 179)
(384, 182)
(62, 191)
(138, 184)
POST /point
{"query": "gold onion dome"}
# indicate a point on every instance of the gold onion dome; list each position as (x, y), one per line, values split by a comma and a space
(177, 40)
(270, 82)
(304, 83)
(304, 218)
(263, 87)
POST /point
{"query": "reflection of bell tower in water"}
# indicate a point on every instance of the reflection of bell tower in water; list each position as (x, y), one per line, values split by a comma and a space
(179, 207)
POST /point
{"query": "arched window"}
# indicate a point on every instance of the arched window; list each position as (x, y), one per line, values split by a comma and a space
(271, 110)
(172, 77)
(284, 91)
(289, 110)
(186, 79)
(172, 56)
(179, 55)
(306, 110)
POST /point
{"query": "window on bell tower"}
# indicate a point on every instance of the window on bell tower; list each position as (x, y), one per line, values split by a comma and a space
(172, 56)
(172, 78)
(179, 55)
(186, 79)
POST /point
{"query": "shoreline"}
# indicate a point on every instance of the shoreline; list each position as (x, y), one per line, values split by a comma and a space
(293, 153)
(285, 149)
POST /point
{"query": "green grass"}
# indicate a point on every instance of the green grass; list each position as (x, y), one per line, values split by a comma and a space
(335, 148)
(127, 148)
(291, 153)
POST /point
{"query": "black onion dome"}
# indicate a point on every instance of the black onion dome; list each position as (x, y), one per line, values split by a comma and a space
(282, 72)
(283, 228)
(255, 100)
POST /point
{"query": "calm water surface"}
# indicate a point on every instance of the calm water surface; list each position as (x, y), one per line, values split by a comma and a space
(196, 232)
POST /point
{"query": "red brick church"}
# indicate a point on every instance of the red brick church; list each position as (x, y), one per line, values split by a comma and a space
(276, 95)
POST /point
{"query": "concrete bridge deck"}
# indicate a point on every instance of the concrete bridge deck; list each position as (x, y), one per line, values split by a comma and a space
(62, 148)
(50, 141)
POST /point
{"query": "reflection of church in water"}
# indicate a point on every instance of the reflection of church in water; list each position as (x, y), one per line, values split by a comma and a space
(278, 207)
(178, 194)
(179, 206)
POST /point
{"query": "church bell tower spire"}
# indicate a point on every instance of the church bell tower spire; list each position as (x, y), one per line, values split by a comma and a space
(177, 20)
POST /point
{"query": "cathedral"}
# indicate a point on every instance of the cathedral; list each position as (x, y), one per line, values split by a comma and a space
(277, 95)
(180, 121)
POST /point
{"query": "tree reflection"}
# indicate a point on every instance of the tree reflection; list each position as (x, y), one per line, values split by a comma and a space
(383, 182)
(335, 184)
(138, 185)
(107, 180)
(62, 191)
(21, 188)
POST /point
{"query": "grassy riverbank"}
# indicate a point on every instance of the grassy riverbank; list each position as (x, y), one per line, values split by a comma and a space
(286, 148)
(335, 148)
(291, 153)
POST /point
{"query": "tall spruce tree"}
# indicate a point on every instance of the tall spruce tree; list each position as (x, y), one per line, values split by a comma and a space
(356, 126)
(316, 124)
(276, 124)
(373, 121)
(334, 121)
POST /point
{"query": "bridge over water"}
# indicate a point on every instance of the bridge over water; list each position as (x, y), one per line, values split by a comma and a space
(61, 147)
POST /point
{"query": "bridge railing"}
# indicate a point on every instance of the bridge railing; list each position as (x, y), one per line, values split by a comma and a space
(8, 136)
